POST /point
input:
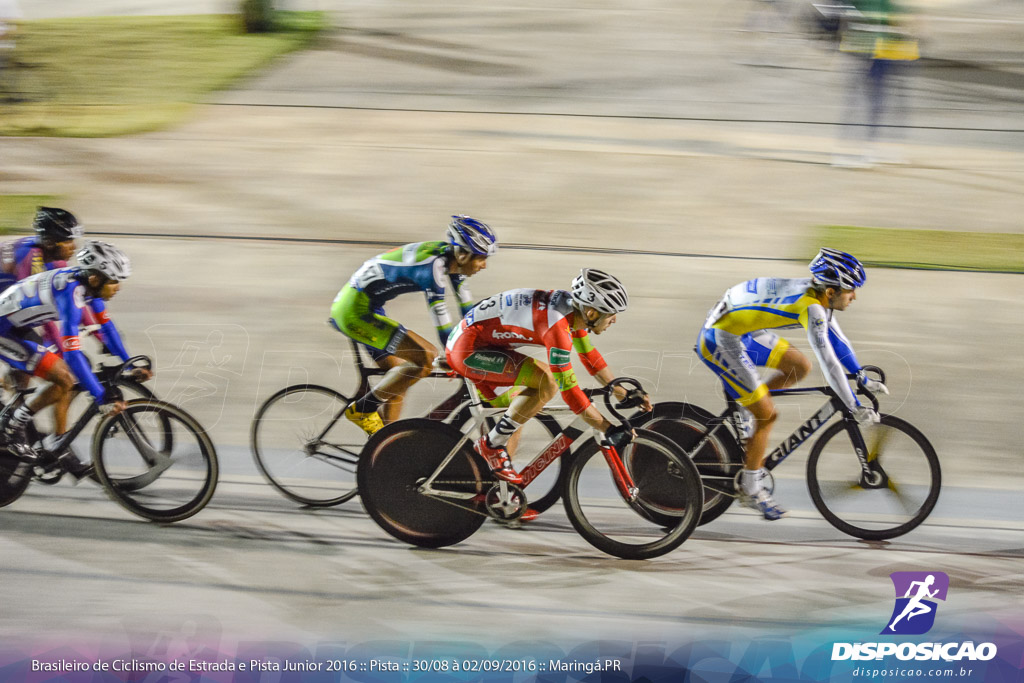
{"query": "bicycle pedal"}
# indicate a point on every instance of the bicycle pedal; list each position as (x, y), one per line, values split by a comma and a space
(48, 475)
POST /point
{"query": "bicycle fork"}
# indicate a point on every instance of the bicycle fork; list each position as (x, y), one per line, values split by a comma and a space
(620, 475)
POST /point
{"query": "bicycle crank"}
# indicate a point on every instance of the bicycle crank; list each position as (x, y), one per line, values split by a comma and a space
(505, 502)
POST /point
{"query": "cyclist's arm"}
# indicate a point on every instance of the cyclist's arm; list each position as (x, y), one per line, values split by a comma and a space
(818, 335)
(463, 294)
(559, 342)
(592, 360)
(435, 300)
(29, 264)
(842, 347)
(441, 315)
(109, 334)
(70, 303)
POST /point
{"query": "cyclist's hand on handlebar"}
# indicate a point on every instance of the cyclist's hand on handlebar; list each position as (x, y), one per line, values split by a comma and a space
(112, 408)
(619, 436)
(874, 386)
(141, 374)
(634, 398)
(865, 415)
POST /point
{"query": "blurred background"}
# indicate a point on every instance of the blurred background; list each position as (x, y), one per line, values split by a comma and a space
(683, 146)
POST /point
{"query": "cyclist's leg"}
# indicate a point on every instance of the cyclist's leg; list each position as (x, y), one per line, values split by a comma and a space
(492, 367)
(390, 410)
(729, 357)
(504, 400)
(766, 349)
(23, 353)
(353, 315)
(412, 360)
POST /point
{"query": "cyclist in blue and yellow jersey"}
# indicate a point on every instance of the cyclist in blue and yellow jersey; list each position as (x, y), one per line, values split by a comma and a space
(428, 267)
(61, 296)
(737, 338)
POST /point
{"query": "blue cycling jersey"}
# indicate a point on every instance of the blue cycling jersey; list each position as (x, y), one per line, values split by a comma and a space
(21, 258)
(53, 296)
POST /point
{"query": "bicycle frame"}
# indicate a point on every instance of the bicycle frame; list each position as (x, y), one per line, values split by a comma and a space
(549, 454)
(455, 401)
(803, 432)
(156, 460)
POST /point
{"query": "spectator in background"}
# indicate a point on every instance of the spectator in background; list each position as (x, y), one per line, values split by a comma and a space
(878, 51)
(10, 15)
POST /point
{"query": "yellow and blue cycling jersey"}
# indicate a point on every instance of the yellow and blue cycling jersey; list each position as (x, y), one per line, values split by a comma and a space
(737, 336)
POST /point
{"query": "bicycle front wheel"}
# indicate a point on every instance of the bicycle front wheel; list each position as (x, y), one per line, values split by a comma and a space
(661, 515)
(718, 460)
(397, 462)
(305, 448)
(155, 460)
(15, 477)
(896, 492)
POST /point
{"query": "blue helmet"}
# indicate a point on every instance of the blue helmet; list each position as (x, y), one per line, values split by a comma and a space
(836, 268)
(472, 235)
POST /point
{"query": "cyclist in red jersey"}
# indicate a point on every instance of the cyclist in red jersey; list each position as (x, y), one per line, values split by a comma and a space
(482, 348)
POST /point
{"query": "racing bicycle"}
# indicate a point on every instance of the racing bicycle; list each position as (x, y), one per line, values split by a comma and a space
(874, 483)
(153, 458)
(308, 451)
(422, 482)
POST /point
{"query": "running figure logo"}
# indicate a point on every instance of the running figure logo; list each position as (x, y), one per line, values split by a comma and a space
(914, 612)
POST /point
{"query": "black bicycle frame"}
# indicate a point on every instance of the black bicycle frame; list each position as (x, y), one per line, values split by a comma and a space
(801, 433)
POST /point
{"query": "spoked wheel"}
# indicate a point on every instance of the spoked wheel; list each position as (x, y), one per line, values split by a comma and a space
(14, 478)
(717, 461)
(155, 460)
(895, 495)
(664, 512)
(546, 489)
(305, 447)
(399, 459)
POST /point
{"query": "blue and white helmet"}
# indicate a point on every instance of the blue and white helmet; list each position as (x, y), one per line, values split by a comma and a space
(472, 235)
(835, 268)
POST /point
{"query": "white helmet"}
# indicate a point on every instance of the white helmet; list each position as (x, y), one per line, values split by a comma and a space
(599, 290)
(105, 258)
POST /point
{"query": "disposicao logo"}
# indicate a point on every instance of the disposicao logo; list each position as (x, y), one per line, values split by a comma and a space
(914, 614)
(916, 592)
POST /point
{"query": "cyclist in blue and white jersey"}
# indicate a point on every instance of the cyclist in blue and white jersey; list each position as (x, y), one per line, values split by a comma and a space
(63, 296)
(428, 267)
(738, 337)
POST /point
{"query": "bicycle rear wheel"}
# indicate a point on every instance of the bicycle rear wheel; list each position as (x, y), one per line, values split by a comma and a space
(897, 494)
(304, 446)
(403, 455)
(718, 460)
(664, 513)
(155, 460)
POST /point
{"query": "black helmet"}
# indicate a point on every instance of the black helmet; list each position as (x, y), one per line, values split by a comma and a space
(56, 225)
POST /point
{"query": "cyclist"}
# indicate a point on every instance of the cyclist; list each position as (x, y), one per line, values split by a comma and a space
(738, 337)
(428, 267)
(50, 248)
(483, 349)
(61, 295)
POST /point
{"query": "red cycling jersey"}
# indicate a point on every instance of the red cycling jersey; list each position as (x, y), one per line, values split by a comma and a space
(522, 317)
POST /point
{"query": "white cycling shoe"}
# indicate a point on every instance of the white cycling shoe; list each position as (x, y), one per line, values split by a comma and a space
(763, 502)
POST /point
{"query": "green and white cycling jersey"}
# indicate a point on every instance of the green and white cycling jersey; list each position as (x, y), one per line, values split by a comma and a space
(417, 267)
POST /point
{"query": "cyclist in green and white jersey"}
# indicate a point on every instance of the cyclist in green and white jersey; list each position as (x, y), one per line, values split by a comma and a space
(428, 267)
